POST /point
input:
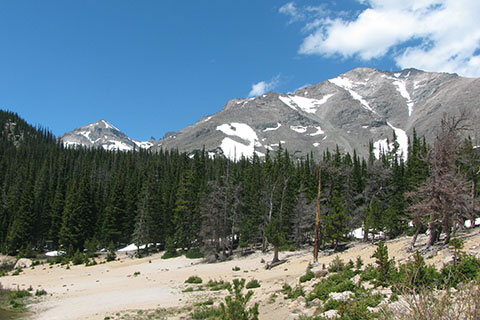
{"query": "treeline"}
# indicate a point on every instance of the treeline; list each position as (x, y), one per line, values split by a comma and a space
(57, 197)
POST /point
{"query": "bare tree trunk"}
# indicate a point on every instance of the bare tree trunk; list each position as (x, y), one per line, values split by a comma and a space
(275, 254)
(415, 235)
(270, 212)
(433, 234)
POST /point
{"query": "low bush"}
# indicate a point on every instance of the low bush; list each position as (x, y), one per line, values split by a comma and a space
(170, 254)
(309, 275)
(40, 293)
(337, 265)
(292, 293)
(194, 279)
(252, 284)
(194, 253)
(214, 285)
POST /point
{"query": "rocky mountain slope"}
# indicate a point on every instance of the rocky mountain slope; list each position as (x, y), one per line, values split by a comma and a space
(350, 110)
(102, 134)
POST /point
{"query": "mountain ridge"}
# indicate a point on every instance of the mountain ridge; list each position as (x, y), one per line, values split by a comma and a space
(352, 110)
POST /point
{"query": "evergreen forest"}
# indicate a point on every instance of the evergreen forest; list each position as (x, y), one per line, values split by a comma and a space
(52, 197)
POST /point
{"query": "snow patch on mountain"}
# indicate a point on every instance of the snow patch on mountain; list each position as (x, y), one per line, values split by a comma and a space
(319, 132)
(299, 129)
(143, 144)
(116, 145)
(233, 149)
(402, 89)
(308, 105)
(402, 139)
(273, 129)
(349, 85)
(382, 145)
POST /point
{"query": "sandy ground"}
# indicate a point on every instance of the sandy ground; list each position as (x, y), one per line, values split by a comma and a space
(97, 291)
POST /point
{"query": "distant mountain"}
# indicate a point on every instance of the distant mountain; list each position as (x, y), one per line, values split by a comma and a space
(103, 134)
(358, 107)
(350, 110)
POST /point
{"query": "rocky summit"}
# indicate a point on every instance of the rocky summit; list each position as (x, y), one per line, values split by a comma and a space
(102, 134)
(355, 109)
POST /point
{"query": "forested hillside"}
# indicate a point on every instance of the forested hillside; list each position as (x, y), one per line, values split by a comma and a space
(75, 197)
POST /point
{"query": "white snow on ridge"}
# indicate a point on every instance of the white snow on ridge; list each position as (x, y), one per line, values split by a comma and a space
(273, 129)
(234, 149)
(116, 145)
(348, 85)
(319, 132)
(402, 88)
(316, 144)
(109, 125)
(299, 129)
(308, 105)
(142, 144)
(86, 134)
(241, 130)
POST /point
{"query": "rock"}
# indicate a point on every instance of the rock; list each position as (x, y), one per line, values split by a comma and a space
(447, 259)
(330, 314)
(340, 296)
(320, 273)
(367, 285)
(357, 279)
(301, 300)
(23, 263)
(316, 302)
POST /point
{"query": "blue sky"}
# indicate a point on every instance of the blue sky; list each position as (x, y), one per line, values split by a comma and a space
(150, 67)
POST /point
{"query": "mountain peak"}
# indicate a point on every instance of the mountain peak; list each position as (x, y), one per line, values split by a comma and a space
(102, 134)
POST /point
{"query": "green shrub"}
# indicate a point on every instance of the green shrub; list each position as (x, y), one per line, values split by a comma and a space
(235, 307)
(78, 258)
(206, 313)
(465, 269)
(17, 271)
(194, 279)
(111, 252)
(338, 282)
(252, 284)
(214, 285)
(194, 253)
(236, 268)
(309, 275)
(292, 293)
(170, 254)
(359, 263)
(208, 302)
(337, 265)
(40, 293)
(415, 274)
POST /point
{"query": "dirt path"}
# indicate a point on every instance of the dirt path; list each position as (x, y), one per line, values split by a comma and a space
(148, 283)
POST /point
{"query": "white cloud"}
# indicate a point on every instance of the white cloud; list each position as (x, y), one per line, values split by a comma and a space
(432, 35)
(291, 10)
(301, 14)
(262, 87)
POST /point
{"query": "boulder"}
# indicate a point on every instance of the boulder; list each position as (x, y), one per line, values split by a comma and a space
(23, 263)
(340, 296)
(330, 314)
